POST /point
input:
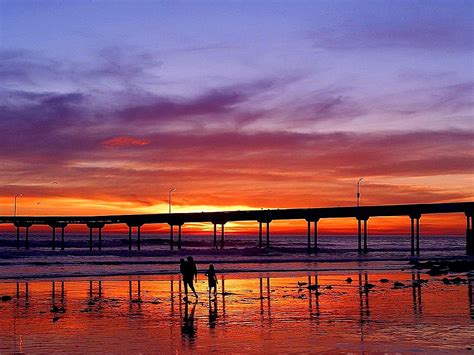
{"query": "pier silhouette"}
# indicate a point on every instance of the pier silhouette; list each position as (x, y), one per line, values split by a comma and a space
(264, 217)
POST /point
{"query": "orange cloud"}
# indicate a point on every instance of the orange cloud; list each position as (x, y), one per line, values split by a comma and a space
(125, 141)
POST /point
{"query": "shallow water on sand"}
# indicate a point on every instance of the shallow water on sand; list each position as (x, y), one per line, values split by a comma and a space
(251, 313)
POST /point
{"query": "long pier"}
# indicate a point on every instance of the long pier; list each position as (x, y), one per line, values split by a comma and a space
(264, 217)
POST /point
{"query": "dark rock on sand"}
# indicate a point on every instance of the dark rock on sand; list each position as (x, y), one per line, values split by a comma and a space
(437, 268)
(6, 298)
(454, 281)
(458, 280)
(368, 286)
(349, 280)
(384, 281)
(55, 319)
(398, 284)
(437, 271)
(56, 309)
(313, 287)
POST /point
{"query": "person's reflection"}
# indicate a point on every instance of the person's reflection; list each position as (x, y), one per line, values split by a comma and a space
(188, 329)
(212, 312)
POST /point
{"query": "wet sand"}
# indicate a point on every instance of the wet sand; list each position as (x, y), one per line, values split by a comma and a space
(297, 312)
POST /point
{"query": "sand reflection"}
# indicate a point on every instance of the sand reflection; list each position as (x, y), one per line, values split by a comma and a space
(327, 312)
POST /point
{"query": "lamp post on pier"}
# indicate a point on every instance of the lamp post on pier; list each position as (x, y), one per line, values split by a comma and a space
(14, 204)
(358, 191)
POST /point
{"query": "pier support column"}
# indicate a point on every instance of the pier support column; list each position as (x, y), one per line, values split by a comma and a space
(53, 241)
(139, 242)
(415, 233)
(179, 236)
(260, 241)
(171, 237)
(222, 236)
(100, 238)
(18, 237)
(27, 241)
(469, 235)
(90, 238)
(359, 237)
(418, 236)
(309, 236)
(316, 235)
(129, 238)
(215, 235)
(62, 237)
(365, 236)
(268, 234)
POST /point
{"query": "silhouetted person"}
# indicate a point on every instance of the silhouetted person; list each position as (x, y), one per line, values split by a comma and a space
(211, 279)
(182, 267)
(189, 270)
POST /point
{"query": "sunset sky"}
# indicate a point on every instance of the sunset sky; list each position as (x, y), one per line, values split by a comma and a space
(106, 105)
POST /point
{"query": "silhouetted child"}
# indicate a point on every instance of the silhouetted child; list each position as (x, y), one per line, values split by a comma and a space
(211, 279)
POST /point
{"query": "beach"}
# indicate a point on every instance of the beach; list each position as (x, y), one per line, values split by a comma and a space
(279, 298)
(297, 312)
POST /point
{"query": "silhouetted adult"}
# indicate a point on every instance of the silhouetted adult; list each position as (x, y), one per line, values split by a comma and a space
(189, 270)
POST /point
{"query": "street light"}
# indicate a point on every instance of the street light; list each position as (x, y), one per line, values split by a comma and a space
(358, 191)
(173, 189)
(14, 205)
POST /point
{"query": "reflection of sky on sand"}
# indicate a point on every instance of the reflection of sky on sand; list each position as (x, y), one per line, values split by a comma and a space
(250, 313)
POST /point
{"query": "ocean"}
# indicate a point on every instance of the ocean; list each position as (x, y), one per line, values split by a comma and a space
(240, 254)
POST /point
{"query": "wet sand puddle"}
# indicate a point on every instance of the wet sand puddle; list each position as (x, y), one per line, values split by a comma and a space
(251, 313)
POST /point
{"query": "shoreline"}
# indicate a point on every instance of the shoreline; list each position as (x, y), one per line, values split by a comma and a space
(464, 264)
